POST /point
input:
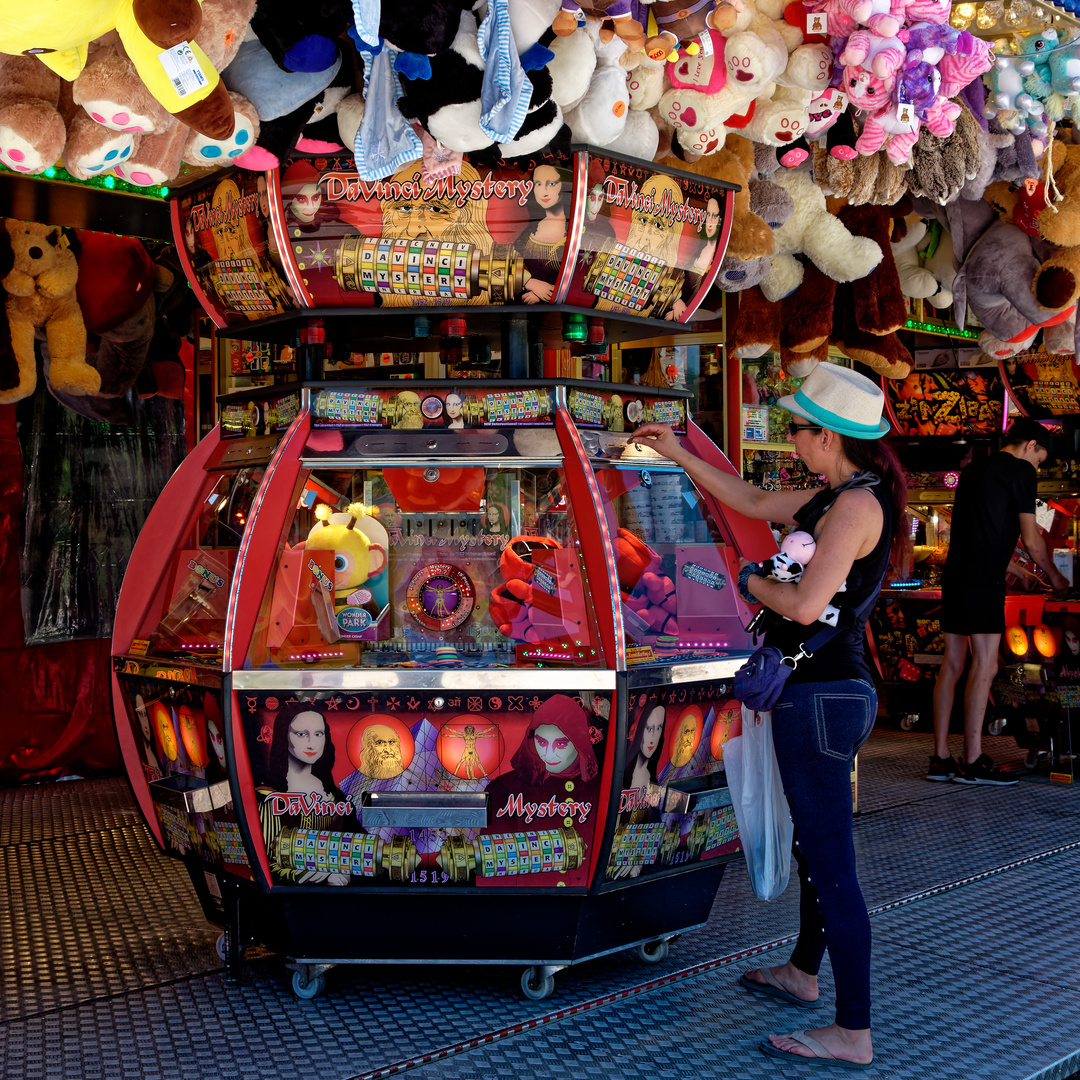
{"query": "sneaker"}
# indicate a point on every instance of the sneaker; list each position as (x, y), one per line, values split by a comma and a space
(982, 771)
(941, 768)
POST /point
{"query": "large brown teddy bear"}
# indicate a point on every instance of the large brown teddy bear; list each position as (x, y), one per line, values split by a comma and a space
(1057, 281)
(751, 237)
(41, 295)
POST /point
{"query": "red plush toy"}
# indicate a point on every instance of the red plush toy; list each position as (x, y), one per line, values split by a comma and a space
(633, 557)
(650, 595)
(531, 583)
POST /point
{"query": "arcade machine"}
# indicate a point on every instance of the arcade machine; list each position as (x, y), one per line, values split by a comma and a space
(438, 670)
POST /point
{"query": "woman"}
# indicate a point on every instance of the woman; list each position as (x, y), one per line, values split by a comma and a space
(836, 427)
(700, 266)
(301, 760)
(496, 520)
(644, 750)
(542, 252)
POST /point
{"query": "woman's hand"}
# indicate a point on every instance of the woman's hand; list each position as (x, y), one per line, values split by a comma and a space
(658, 437)
(676, 310)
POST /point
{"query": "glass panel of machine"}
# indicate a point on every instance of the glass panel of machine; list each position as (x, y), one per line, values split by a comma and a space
(187, 618)
(427, 566)
(676, 572)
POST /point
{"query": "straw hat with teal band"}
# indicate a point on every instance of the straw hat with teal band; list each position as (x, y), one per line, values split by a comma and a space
(841, 400)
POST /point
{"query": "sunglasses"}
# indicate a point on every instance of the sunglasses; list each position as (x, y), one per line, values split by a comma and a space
(793, 428)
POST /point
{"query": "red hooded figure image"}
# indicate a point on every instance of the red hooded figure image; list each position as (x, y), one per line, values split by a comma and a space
(555, 761)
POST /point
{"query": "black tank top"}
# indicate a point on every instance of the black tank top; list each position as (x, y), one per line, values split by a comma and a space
(843, 657)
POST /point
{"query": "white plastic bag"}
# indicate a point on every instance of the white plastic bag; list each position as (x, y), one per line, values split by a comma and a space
(757, 797)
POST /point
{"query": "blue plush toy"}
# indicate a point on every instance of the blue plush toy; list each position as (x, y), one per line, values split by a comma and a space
(1051, 72)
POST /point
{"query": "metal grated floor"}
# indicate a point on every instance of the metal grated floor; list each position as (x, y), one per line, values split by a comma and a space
(109, 969)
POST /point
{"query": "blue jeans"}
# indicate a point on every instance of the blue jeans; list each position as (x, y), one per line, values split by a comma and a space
(817, 729)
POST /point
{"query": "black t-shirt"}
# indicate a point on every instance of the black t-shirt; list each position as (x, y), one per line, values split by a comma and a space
(992, 494)
(844, 656)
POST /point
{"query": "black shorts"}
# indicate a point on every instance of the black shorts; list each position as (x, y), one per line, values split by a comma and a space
(971, 608)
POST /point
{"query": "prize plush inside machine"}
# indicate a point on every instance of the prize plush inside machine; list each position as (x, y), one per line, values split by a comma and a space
(944, 419)
(467, 648)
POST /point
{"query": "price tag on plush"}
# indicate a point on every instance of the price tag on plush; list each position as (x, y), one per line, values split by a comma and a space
(817, 22)
(905, 116)
(183, 69)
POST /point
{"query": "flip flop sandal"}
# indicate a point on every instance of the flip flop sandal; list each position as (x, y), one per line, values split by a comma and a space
(822, 1058)
(774, 989)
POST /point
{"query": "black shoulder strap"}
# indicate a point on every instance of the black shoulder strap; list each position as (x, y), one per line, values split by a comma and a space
(827, 633)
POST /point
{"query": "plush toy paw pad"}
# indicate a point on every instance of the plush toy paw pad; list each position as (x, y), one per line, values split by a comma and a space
(788, 128)
(745, 68)
(703, 142)
(682, 116)
(258, 159)
(107, 156)
(793, 157)
(18, 154)
(844, 153)
(108, 115)
(139, 177)
(204, 151)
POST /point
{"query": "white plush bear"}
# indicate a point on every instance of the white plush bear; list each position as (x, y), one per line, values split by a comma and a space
(781, 116)
(599, 117)
(758, 50)
(820, 236)
(926, 276)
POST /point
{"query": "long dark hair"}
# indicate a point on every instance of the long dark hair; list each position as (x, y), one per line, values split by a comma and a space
(277, 766)
(564, 191)
(638, 738)
(878, 457)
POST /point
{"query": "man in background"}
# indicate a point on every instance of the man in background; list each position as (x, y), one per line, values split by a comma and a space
(994, 506)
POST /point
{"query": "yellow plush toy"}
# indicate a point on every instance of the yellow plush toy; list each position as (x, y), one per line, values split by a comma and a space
(41, 295)
(158, 37)
(359, 544)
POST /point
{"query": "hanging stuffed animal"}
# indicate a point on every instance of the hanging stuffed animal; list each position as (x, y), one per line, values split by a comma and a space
(189, 88)
(41, 296)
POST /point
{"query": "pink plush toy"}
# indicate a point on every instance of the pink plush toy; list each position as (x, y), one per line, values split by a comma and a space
(883, 56)
(796, 550)
(883, 17)
(798, 546)
(882, 123)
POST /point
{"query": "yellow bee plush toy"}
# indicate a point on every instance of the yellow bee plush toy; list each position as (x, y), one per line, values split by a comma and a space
(359, 544)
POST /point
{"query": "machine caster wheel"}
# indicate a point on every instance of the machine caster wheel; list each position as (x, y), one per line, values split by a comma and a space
(998, 725)
(310, 989)
(221, 947)
(652, 952)
(535, 985)
(909, 721)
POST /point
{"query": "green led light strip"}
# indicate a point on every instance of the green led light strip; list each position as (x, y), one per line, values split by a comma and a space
(940, 328)
(105, 183)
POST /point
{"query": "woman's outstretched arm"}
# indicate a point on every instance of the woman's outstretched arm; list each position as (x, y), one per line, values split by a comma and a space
(751, 501)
